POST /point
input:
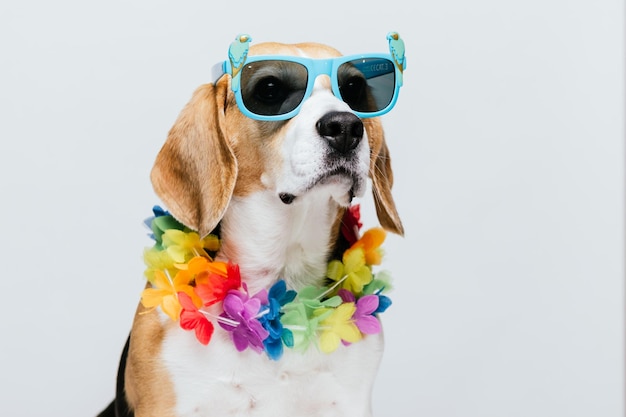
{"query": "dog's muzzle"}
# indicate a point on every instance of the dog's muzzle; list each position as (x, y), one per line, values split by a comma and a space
(341, 133)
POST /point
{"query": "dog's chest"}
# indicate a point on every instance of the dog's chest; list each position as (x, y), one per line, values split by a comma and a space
(217, 380)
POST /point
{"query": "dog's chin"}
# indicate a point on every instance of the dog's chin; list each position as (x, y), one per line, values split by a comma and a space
(341, 187)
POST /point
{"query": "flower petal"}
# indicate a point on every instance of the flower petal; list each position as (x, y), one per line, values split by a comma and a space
(233, 304)
(372, 238)
(182, 278)
(277, 290)
(384, 303)
(367, 305)
(251, 308)
(240, 340)
(152, 297)
(358, 279)
(351, 223)
(343, 313)
(368, 325)
(259, 333)
(353, 259)
(346, 296)
(204, 331)
(329, 342)
(334, 271)
(273, 348)
(171, 307)
(177, 253)
(211, 243)
(162, 281)
(349, 332)
(287, 338)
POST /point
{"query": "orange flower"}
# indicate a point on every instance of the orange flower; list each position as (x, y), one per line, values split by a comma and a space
(213, 287)
(371, 242)
(200, 265)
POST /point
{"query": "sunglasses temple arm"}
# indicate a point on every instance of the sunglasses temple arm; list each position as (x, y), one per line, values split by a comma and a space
(217, 71)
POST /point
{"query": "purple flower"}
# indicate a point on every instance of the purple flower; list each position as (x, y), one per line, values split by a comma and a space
(364, 315)
(346, 296)
(240, 314)
(366, 307)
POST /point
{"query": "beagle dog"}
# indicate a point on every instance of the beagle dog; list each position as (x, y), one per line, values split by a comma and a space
(268, 157)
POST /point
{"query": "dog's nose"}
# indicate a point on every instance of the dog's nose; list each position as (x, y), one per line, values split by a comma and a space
(343, 130)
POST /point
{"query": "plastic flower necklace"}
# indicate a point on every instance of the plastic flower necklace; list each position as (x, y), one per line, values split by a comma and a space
(186, 282)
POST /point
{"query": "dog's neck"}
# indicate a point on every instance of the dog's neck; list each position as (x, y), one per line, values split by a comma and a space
(271, 240)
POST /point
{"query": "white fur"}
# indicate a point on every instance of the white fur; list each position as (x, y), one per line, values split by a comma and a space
(304, 150)
(271, 240)
(311, 384)
(280, 241)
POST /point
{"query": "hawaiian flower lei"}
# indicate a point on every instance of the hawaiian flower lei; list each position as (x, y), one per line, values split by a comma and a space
(186, 281)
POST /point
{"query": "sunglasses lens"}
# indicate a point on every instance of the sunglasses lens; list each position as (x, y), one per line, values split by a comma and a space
(368, 84)
(273, 87)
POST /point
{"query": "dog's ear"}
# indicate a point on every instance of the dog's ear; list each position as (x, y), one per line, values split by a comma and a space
(195, 171)
(382, 178)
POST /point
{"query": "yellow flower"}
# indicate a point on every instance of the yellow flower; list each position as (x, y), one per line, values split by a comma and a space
(164, 293)
(182, 246)
(354, 270)
(157, 260)
(352, 273)
(337, 327)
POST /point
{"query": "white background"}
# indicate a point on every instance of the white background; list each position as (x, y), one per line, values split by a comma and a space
(508, 148)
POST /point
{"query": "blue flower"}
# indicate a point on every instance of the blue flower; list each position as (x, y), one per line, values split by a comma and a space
(277, 297)
(383, 303)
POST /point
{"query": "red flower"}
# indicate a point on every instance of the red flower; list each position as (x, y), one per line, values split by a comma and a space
(212, 288)
(351, 223)
(192, 319)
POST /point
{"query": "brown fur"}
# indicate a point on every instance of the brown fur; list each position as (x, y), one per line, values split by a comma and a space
(147, 383)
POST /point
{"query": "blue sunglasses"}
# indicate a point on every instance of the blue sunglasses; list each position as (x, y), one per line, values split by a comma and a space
(272, 87)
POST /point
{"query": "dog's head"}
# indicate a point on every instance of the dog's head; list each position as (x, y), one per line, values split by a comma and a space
(291, 128)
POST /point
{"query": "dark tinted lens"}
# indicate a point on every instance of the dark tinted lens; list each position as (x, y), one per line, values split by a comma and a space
(273, 87)
(367, 85)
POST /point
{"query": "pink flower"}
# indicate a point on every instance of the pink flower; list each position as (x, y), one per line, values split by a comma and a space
(363, 317)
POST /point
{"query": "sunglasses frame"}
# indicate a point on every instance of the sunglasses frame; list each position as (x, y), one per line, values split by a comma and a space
(238, 54)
